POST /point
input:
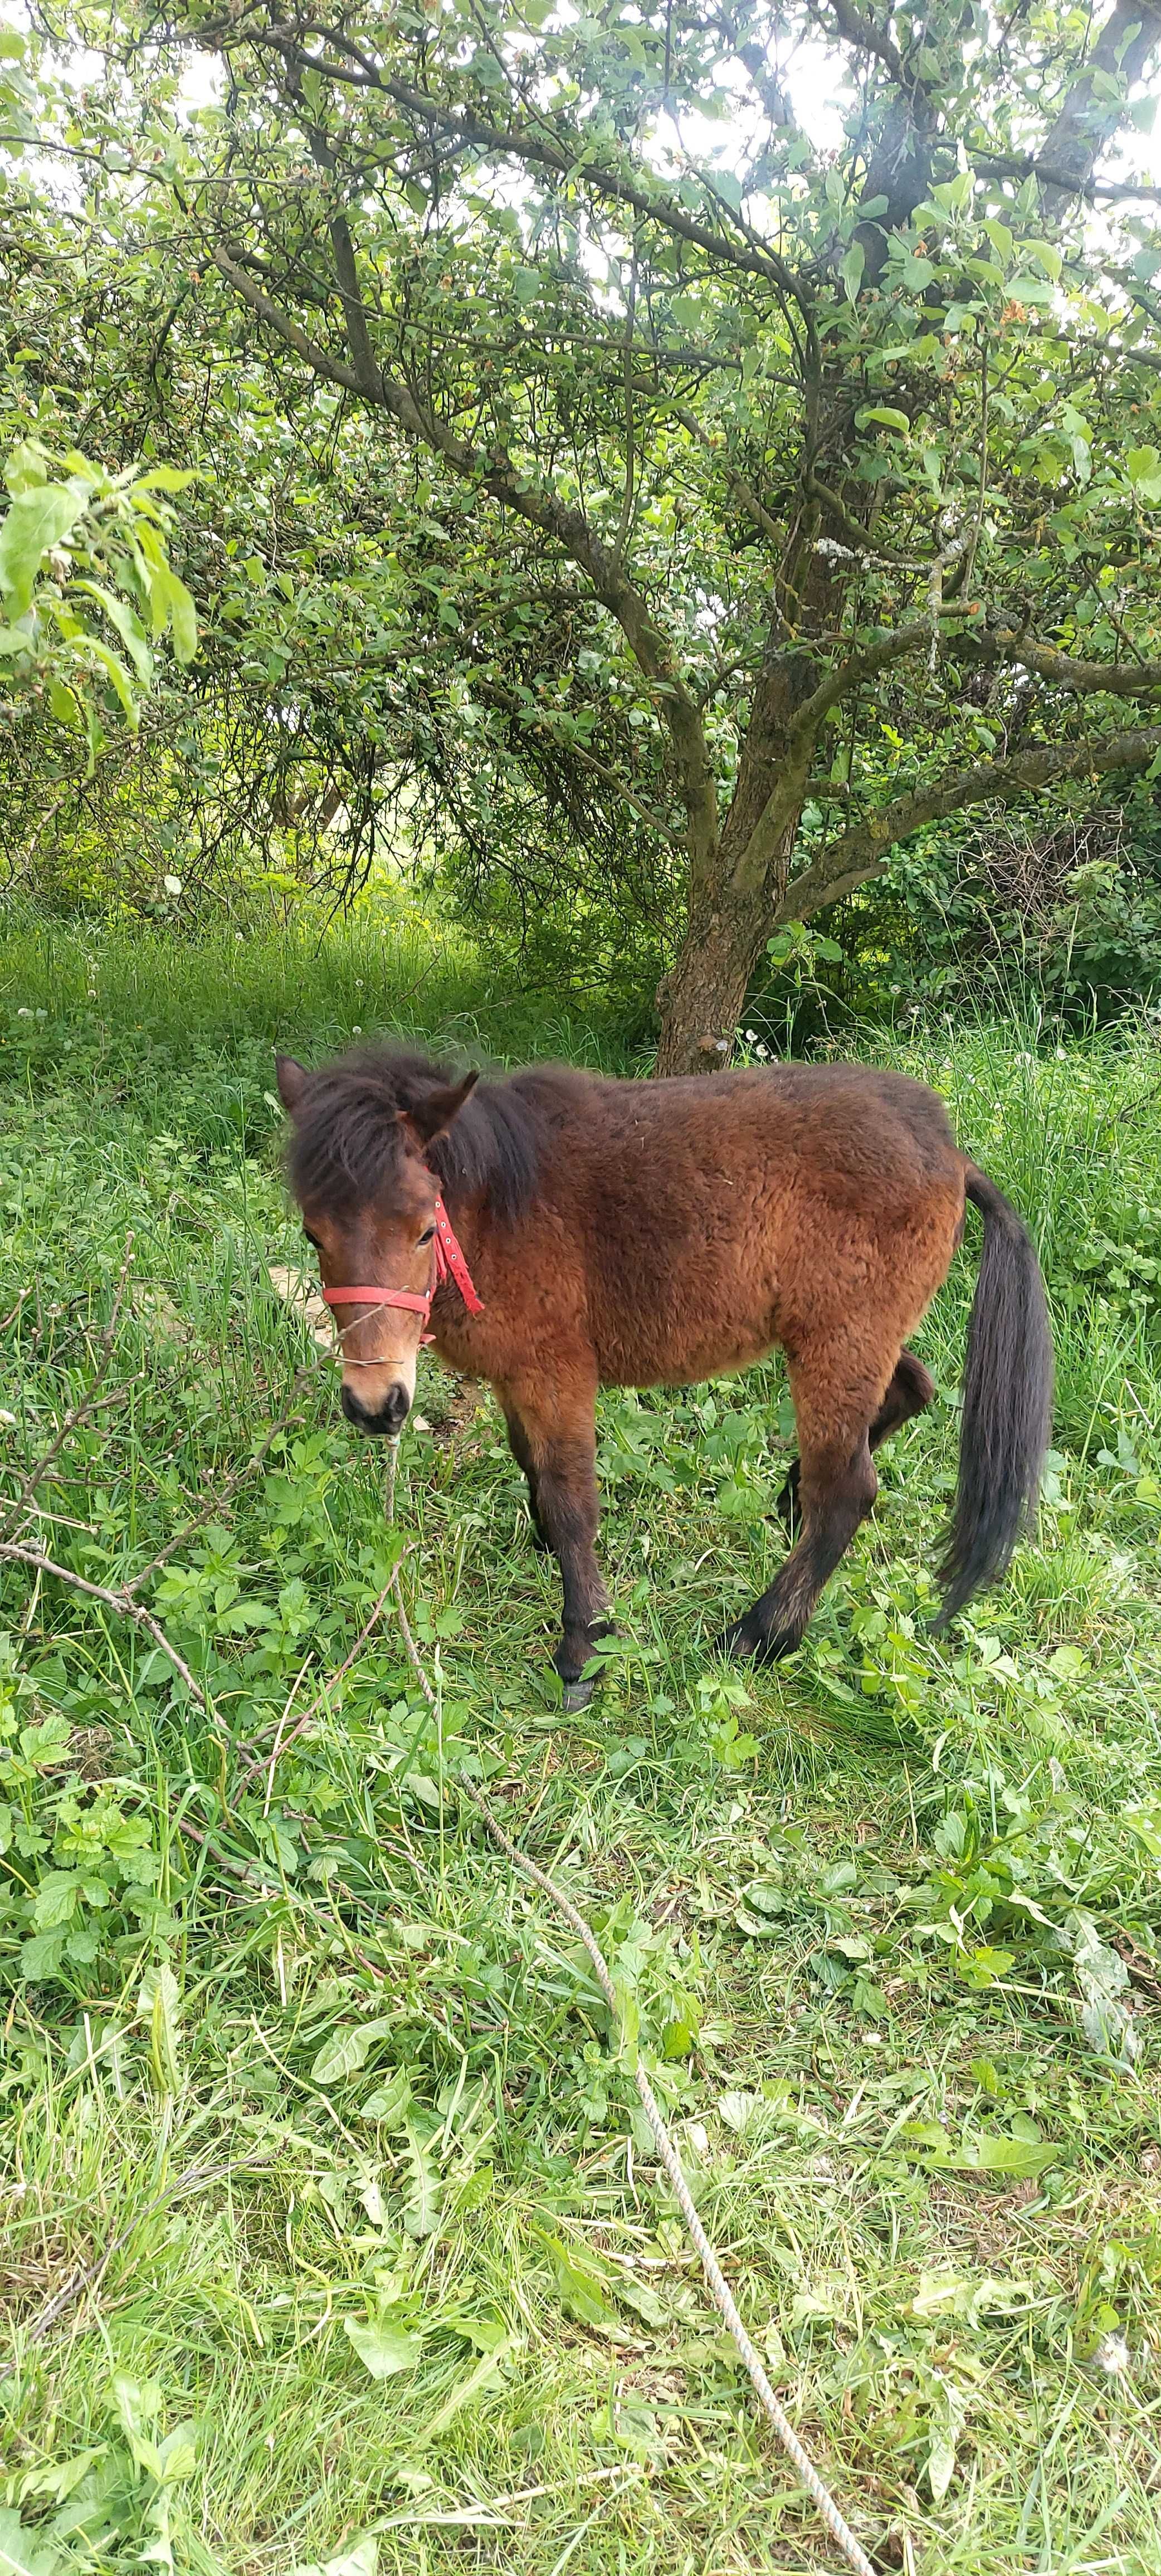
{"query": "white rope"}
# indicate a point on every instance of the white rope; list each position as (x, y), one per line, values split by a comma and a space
(719, 2288)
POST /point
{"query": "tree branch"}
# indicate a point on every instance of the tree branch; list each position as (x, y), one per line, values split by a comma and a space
(1089, 679)
(860, 854)
(785, 799)
(494, 472)
(1095, 104)
(542, 152)
(1033, 165)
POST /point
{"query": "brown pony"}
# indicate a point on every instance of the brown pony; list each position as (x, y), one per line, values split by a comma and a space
(655, 1233)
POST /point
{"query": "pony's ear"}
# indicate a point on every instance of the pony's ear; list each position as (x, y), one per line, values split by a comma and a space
(292, 1081)
(432, 1116)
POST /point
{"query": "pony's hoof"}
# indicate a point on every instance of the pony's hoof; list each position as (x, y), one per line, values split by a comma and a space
(575, 1696)
(746, 1641)
(771, 1649)
(740, 1641)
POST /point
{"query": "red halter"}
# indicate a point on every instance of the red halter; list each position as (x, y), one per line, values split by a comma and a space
(447, 1262)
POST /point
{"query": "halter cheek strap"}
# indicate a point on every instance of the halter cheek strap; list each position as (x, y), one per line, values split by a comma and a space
(447, 1262)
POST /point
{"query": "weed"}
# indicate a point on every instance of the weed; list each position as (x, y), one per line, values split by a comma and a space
(312, 2126)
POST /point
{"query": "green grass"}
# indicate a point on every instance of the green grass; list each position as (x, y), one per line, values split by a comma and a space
(864, 1907)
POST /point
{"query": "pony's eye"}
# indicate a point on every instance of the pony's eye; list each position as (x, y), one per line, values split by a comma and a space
(312, 1238)
(426, 1238)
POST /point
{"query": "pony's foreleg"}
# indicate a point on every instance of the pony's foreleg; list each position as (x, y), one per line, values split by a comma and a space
(910, 1391)
(558, 1453)
(521, 1448)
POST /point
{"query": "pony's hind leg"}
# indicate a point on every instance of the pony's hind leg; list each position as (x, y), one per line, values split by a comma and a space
(910, 1391)
(836, 1408)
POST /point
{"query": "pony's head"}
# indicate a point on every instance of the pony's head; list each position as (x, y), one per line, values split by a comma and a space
(363, 1134)
(375, 1140)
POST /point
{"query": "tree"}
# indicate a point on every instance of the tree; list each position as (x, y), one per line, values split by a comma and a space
(827, 475)
(83, 557)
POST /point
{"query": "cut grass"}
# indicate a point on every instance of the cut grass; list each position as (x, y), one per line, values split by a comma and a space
(378, 2090)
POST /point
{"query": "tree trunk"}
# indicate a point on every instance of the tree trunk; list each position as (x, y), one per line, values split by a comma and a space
(702, 998)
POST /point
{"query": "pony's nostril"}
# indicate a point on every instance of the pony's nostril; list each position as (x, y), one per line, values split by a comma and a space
(392, 1413)
(397, 1407)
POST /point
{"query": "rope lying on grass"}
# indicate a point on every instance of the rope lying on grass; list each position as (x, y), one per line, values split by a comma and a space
(719, 2287)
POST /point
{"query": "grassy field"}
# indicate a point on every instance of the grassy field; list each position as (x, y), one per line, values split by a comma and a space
(310, 2129)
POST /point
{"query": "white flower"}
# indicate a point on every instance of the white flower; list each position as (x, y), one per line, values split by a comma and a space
(357, 1031)
(1112, 2354)
(24, 1013)
(172, 885)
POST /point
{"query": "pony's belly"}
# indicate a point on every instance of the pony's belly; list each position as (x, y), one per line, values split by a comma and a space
(667, 1359)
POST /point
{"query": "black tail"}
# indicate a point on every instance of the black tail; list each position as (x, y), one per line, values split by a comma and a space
(1007, 1402)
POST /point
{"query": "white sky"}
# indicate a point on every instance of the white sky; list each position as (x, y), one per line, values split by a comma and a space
(813, 78)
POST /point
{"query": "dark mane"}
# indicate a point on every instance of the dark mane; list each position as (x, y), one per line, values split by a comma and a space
(345, 1143)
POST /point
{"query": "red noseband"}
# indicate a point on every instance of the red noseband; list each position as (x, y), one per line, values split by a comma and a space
(447, 1262)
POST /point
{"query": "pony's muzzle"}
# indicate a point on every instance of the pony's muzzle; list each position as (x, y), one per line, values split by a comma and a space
(387, 1418)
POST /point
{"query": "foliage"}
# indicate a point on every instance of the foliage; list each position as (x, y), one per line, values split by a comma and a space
(644, 513)
(314, 2103)
(1071, 905)
(75, 553)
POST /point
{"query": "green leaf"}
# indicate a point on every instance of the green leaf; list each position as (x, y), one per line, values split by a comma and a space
(163, 478)
(24, 2553)
(885, 416)
(14, 640)
(159, 2007)
(41, 1957)
(581, 2287)
(361, 2559)
(90, 646)
(177, 603)
(389, 2101)
(421, 2214)
(57, 1898)
(178, 2454)
(126, 623)
(384, 2349)
(1144, 465)
(63, 704)
(985, 2151)
(852, 271)
(484, 2375)
(1026, 289)
(1045, 257)
(35, 522)
(990, 2153)
(940, 2465)
(25, 470)
(347, 2050)
(999, 236)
